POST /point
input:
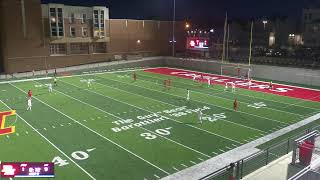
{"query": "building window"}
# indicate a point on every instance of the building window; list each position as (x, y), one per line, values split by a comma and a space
(72, 31)
(99, 47)
(57, 49)
(99, 23)
(84, 18)
(79, 48)
(71, 18)
(85, 32)
(96, 18)
(56, 22)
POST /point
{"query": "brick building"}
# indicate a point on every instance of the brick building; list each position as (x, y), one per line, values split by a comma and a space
(36, 36)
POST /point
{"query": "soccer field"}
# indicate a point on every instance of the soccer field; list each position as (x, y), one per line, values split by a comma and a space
(124, 129)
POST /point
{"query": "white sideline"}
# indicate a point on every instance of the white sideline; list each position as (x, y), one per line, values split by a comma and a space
(52, 143)
(96, 133)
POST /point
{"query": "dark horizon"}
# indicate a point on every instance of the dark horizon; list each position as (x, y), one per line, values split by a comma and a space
(199, 11)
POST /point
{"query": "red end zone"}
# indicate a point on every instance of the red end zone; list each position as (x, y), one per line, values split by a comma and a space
(279, 89)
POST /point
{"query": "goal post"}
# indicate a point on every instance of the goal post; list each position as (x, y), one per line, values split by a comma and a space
(242, 71)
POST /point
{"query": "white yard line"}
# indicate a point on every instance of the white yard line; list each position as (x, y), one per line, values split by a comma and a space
(139, 127)
(173, 105)
(91, 177)
(215, 105)
(118, 145)
(154, 112)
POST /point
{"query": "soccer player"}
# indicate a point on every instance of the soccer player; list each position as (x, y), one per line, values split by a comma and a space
(235, 105)
(250, 83)
(165, 84)
(270, 85)
(188, 94)
(226, 87)
(55, 81)
(29, 94)
(89, 83)
(169, 84)
(209, 82)
(194, 77)
(134, 76)
(29, 104)
(233, 87)
(50, 87)
(200, 116)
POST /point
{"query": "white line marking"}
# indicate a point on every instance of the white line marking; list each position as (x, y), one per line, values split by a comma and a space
(229, 148)
(51, 143)
(196, 101)
(175, 168)
(96, 133)
(214, 153)
(53, 127)
(248, 95)
(184, 165)
(17, 134)
(193, 162)
(45, 129)
(247, 141)
(222, 150)
(156, 176)
(61, 125)
(153, 112)
(187, 147)
(89, 150)
(200, 159)
(234, 145)
(27, 132)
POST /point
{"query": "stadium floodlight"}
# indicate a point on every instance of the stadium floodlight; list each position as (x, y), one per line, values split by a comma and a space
(264, 23)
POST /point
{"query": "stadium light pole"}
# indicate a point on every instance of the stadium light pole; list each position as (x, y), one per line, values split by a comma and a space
(173, 27)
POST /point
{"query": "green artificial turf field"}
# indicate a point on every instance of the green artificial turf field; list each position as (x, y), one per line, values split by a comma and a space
(124, 129)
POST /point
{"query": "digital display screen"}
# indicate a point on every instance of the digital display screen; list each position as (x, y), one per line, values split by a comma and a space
(197, 43)
(26, 169)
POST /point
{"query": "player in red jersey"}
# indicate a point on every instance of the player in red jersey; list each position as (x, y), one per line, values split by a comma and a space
(235, 105)
(30, 94)
(134, 76)
(169, 84)
(165, 84)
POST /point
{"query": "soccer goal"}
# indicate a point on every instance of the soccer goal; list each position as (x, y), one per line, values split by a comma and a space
(242, 71)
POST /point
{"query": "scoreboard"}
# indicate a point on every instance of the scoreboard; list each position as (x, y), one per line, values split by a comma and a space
(197, 43)
(26, 169)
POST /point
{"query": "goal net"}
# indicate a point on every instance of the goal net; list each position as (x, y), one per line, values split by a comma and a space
(242, 71)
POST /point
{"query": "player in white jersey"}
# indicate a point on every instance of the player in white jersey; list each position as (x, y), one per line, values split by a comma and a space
(209, 82)
(194, 77)
(226, 87)
(89, 83)
(200, 116)
(233, 84)
(50, 87)
(250, 83)
(188, 94)
(29, 104)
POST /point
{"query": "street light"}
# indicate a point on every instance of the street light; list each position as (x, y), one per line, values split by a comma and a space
(187, 26)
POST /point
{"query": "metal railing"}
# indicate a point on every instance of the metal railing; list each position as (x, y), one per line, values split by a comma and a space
(247, 165)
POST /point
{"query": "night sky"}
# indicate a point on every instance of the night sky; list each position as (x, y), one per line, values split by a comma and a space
(197, 10)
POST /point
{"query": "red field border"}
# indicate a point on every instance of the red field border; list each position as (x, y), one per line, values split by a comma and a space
(279, 89)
